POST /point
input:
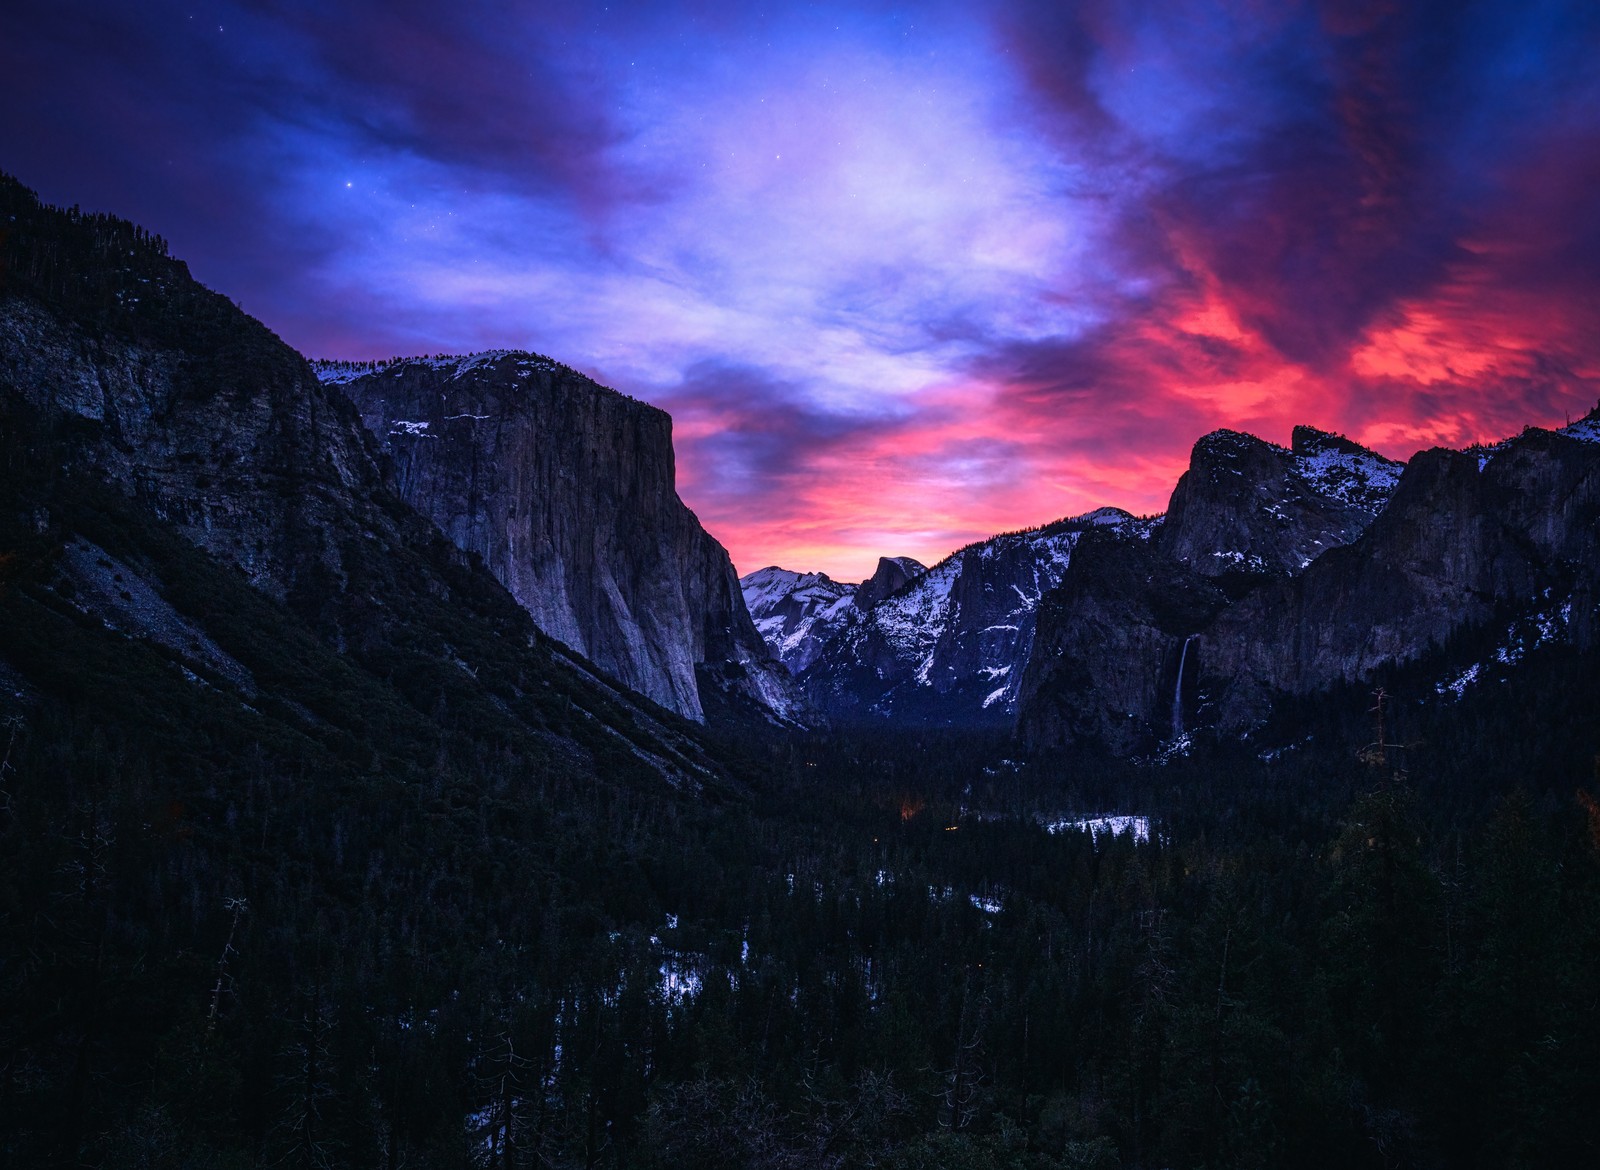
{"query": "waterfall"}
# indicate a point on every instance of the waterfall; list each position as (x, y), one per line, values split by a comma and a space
(1177, 691)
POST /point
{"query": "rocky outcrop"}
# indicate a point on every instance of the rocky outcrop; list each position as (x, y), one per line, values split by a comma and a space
(1248, 507)
(892, 575)
(949, 646)
(119, 373)
(227, 436)
(566, 489)
(1466, 539)
(1348, 570)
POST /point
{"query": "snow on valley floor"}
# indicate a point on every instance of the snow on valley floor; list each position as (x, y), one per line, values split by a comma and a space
(1112, 825)
(1097, 825)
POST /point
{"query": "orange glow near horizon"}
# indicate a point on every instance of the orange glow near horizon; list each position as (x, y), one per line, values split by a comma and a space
(998, 454)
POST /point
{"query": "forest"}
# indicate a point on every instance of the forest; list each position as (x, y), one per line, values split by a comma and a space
(228, 944)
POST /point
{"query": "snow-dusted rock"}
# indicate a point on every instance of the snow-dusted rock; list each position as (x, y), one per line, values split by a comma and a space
(796, 612)
(949, 646)
(1249, 506)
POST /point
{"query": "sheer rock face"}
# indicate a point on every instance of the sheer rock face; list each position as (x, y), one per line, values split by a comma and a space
(566, 490)
(1141, 643)
(1105, 660)
(891, 575)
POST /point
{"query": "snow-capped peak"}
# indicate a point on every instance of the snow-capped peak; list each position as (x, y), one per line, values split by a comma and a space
(795, 612)
(1102, 517)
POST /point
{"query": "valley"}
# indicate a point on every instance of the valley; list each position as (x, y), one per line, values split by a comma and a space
(393, 772)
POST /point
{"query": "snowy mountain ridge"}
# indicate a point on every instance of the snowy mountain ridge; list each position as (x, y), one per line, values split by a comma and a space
(1341, 470)
(795, 612)
(949, 645)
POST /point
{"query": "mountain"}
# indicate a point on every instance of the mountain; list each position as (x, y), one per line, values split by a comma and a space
(795, 612)
(1469, 539)
(184, 496)
(1247, 507)
(1283, 572)
(798, 612)
(891, 575)
(566, 491)
(316, 851)
(949, 645)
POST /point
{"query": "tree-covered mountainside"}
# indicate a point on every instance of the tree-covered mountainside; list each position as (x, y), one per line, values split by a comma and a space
(313, 852)
(228, 944)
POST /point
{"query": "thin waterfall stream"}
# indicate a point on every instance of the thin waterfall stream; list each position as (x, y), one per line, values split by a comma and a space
(1177, 691)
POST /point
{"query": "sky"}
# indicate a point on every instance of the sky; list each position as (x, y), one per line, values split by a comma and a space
(905, 276)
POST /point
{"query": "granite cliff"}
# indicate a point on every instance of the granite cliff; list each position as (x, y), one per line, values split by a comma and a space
(566, 491)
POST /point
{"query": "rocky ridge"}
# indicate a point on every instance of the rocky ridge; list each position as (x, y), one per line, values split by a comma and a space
(1282, 572)
(1248, 507)
(795, 613)
(950, 645)
(798, 612)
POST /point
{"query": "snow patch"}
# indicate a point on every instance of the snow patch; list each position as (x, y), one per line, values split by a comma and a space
(680, 982)
(1364, 480)
(1585, 430)
(338, 373)
(1539, 628)
(1112, 825)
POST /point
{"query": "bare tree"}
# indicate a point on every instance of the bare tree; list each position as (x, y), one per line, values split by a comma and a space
(963, 1078)
(224, 982)
(499, 1128)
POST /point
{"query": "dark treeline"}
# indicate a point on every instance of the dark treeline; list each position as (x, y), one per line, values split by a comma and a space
(220, 950)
